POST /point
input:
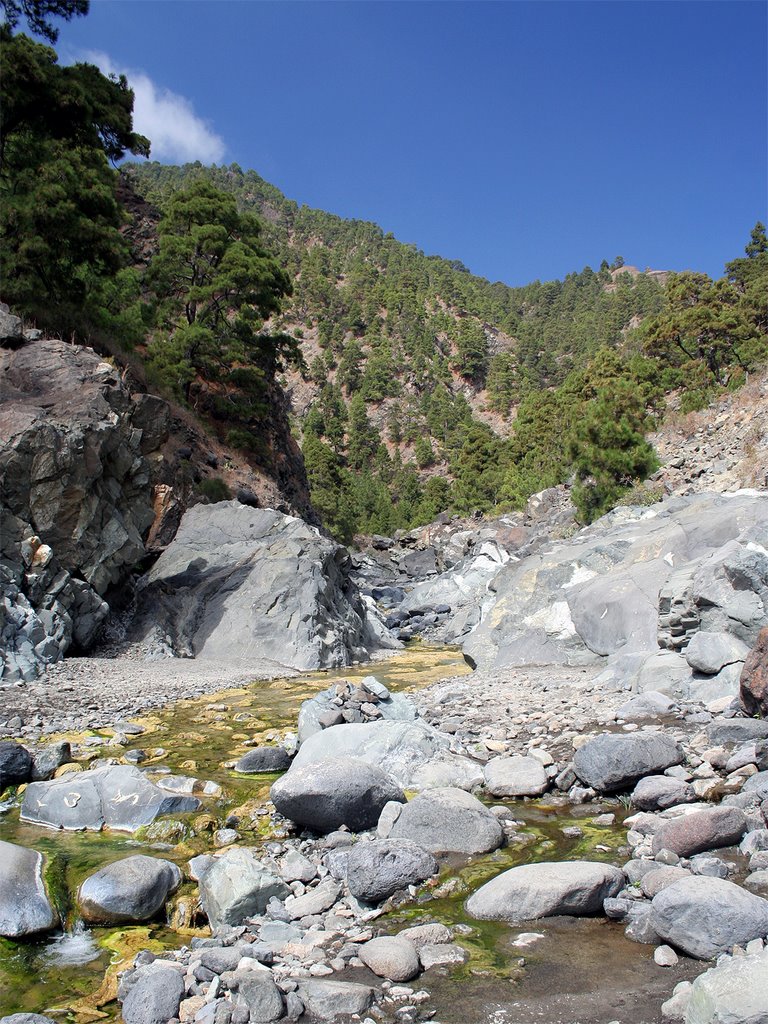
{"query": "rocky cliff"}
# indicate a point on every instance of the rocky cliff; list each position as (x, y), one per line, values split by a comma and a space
(76, 496)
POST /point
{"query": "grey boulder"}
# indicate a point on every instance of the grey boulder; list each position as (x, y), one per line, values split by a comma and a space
(733, 992)
(154, 998)
(237, 886)
(399, 748)
(258, 994)
(325, 999)
(24, 905)
(340, 791)
(118, 797)
(644, 706)
(657, 792)
(46, 760)
(264, 759)
(375, 870)
(694, 833)
(710, 652)
(444, 821)
(132, 889)
(613, 761)
(394, 707)
(515, 776)
(531, 891)
(705, 916)
(391, 956)
(26, 1018)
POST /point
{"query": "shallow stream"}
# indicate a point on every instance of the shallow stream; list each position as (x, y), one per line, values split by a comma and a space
(65, 974)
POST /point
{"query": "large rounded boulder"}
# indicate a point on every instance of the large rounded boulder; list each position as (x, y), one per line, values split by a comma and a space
(615, 761)
(132, 889)
(324, 795)
(444, 821)
(705, 916)
(709, 829)
(515, 776)
(531, 891)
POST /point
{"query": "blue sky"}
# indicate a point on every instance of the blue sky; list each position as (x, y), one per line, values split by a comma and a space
(525, 139)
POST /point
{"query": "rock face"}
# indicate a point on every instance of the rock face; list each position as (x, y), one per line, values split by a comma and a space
(24, 906)
(444, 821)
(542, 890)
(132, 889)
(338, 791)
(240, 583)
(119, 797)
(704, 916)
(607, 590)
(75, 497)
(612, 762)
(236, 886)
(753, 686)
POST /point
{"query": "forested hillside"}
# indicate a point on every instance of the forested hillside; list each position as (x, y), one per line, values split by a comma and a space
(425, 388)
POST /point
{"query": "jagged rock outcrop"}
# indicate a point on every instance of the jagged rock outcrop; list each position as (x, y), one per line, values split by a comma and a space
(598, 595)
(242, 583)
(75, 496)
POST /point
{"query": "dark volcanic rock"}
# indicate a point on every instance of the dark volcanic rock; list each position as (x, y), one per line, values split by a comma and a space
(444, 820)
(154, 998)
(264, 759)
(15, 764)
(613, 761)
(340, 791)
(376, 870)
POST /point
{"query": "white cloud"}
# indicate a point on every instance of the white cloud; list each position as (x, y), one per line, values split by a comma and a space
(169, 122)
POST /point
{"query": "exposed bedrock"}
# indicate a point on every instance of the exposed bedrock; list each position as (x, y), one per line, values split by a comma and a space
(75, 497)
(636, 580)
(239, 583)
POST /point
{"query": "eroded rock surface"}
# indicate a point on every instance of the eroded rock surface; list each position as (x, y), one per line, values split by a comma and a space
(239, 583)
(24, 905)
(75, 497)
